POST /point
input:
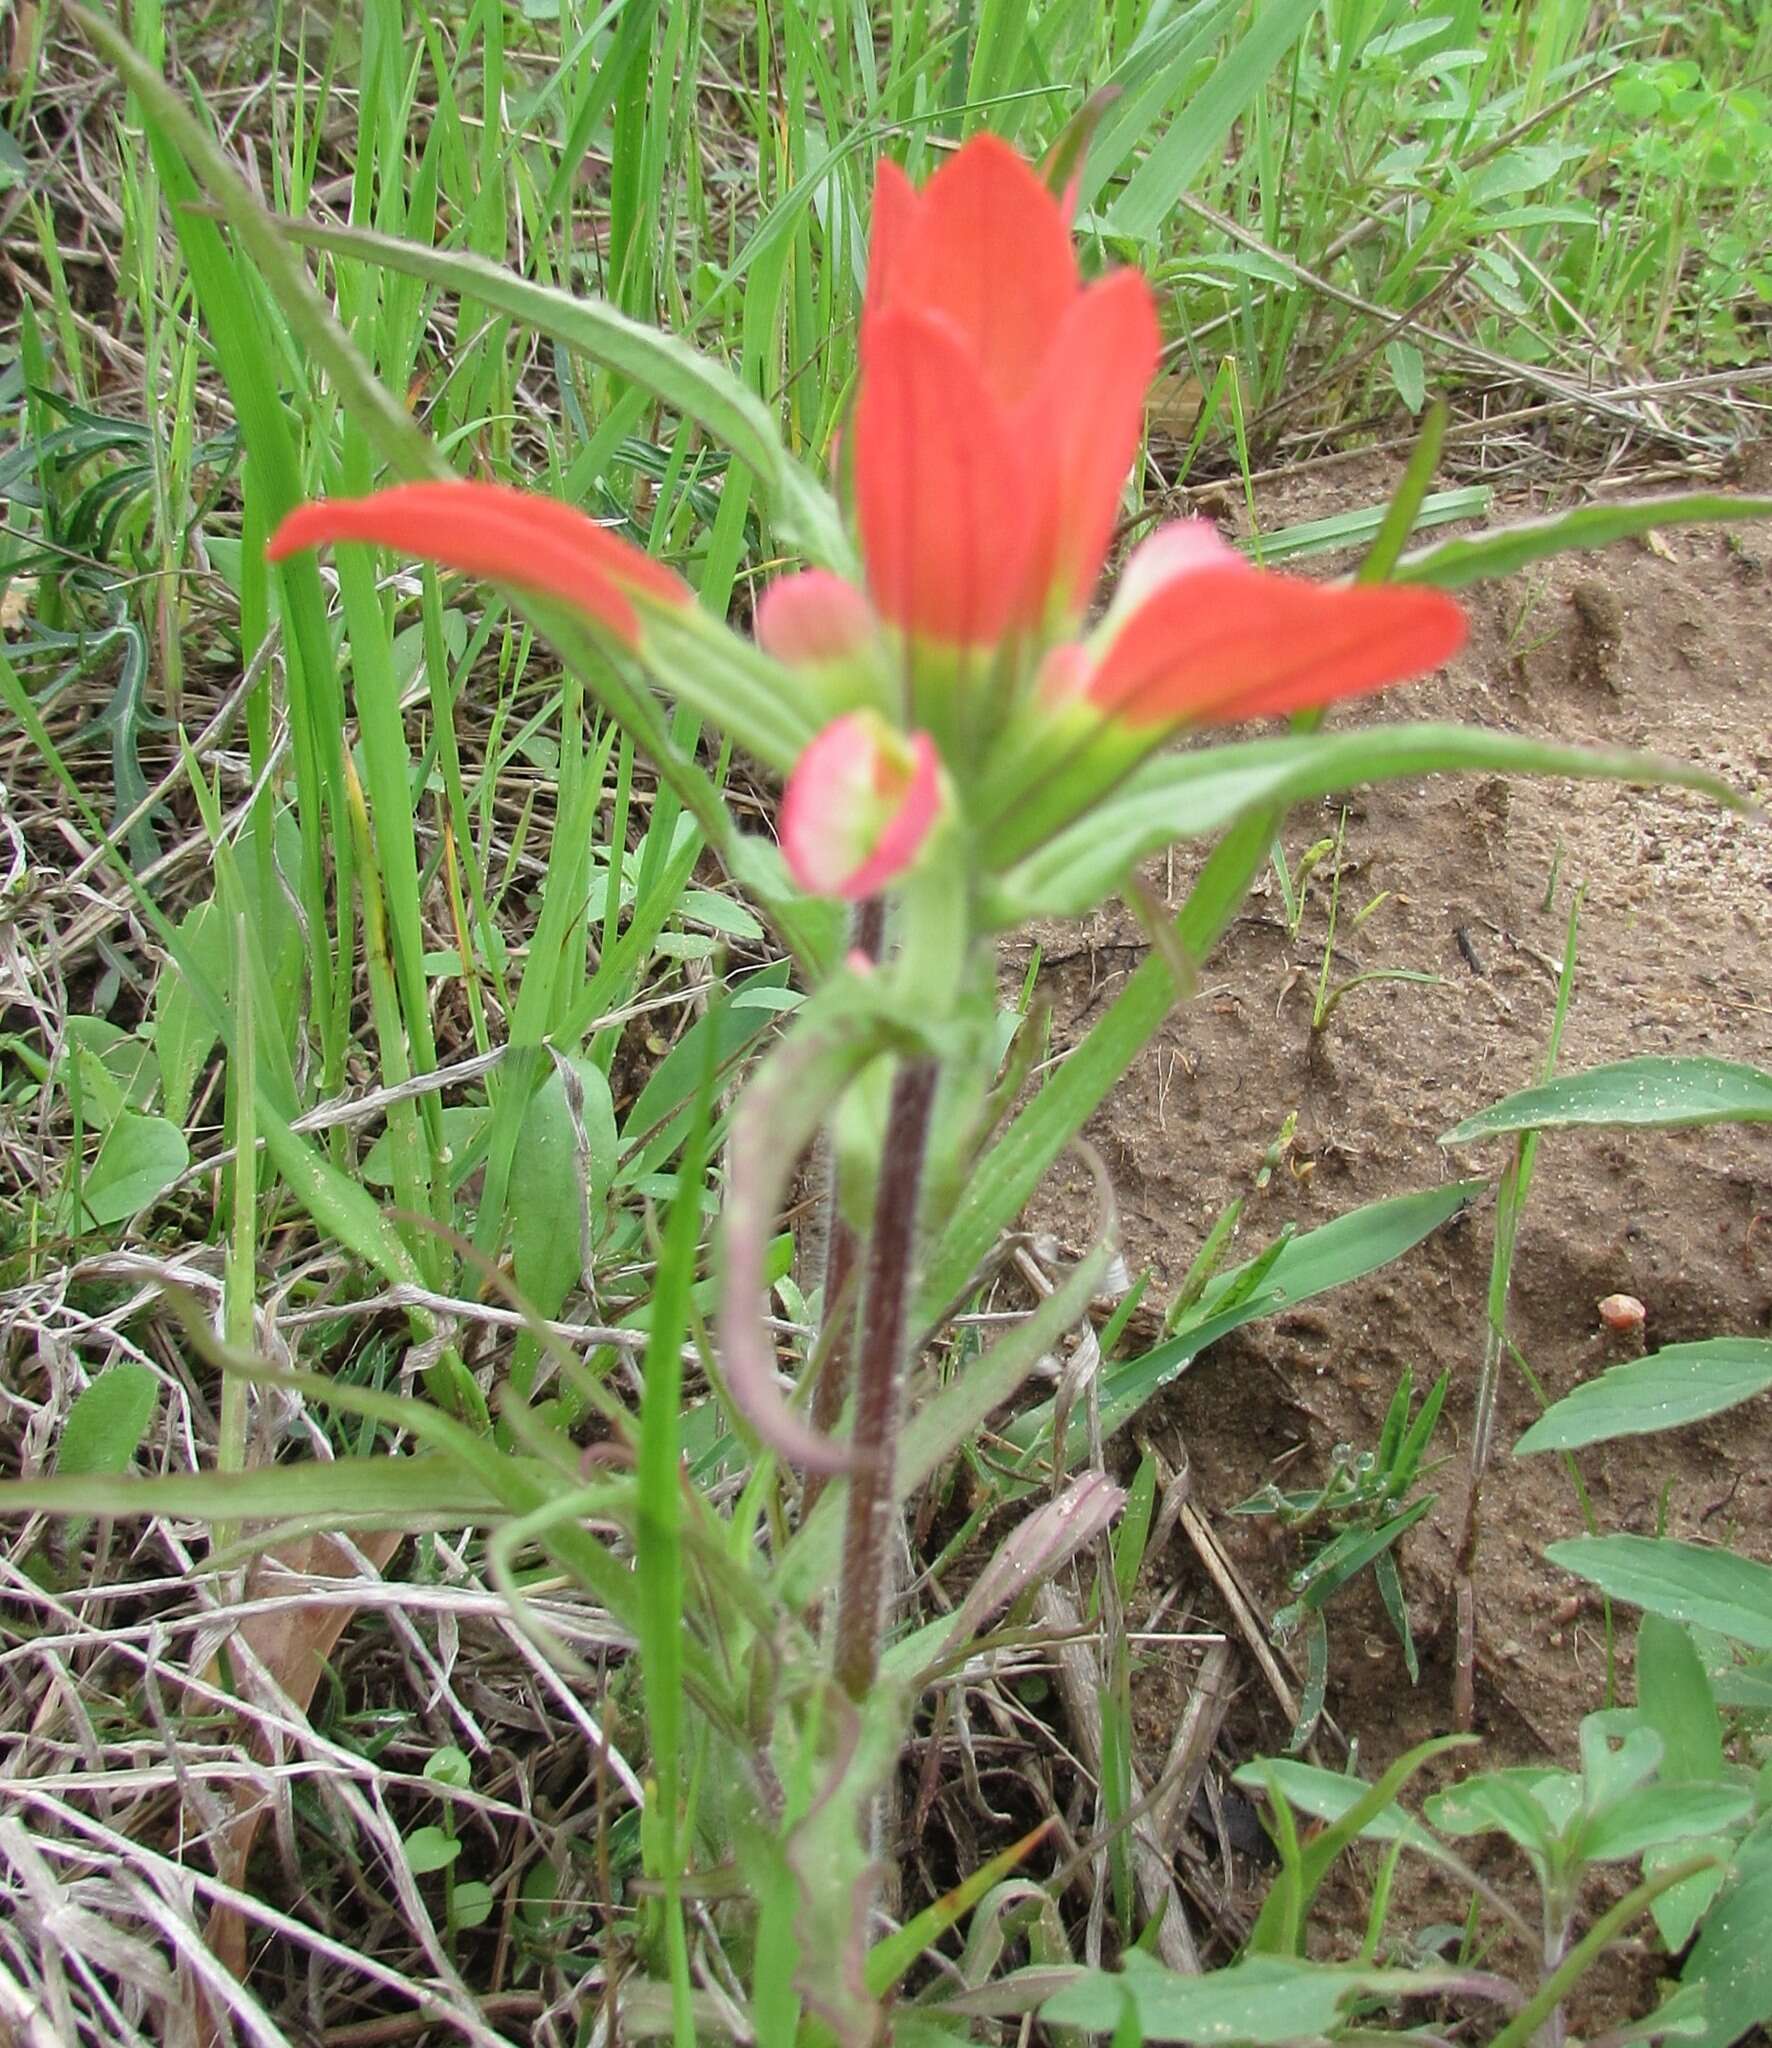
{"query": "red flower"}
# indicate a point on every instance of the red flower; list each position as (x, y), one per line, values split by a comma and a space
(1000, 403)
(515, 537)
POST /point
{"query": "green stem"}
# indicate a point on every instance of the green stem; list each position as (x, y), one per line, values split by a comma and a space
(882, 1367)
(1562, 1980)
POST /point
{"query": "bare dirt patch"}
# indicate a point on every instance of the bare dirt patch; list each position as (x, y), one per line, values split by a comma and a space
(1661, 646)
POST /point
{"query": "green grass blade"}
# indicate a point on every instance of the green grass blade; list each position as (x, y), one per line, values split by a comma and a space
(1455, 564)
(377, 412)
(659, 362)
(428, 1485)
(1195, 133)
(658, 1561)
(1403, 514)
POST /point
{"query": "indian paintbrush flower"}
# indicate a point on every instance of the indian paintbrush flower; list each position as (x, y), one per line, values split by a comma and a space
(998, 413)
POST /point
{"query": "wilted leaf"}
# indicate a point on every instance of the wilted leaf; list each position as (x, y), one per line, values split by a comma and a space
(1455, 564)
(293, 1644)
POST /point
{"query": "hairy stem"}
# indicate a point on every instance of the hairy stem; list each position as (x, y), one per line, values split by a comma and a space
(882, 1368)
(842, 1255)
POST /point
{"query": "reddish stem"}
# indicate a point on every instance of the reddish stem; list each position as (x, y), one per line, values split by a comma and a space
(842, 1256)
(883, 1366)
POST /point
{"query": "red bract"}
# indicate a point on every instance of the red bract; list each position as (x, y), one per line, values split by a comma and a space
(1199, 636)
(1000, 403)
(515, 537)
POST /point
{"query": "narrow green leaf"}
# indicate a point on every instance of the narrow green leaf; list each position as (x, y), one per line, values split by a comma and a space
(1263, 2000)
(1403, 513)
(376, 410)
(890, 1958)
(1342, 1250)
(1681, 1384)
(1329, 1795)
(424, 1486)
(1455, 564)
(654, 359)
(1195, 134)
(1712, 1589)
(1009, 1173)
(337, 1203)
(1330, 1256)
(1187, 796)
(658, 1560)
(1135, 1526)
(1136, 94)
(1651, 1093)
(1351, 1552)
(1325, 1847)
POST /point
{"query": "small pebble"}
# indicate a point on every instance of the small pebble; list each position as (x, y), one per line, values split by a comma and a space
(1623, 1312)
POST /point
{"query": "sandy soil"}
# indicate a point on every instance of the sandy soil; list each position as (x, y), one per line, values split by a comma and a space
(1663, 646)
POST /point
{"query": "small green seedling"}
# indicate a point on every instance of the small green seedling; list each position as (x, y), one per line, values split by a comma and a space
(1361, 1509)
(437, 1847)
(1330, 994)
(1626, 1802)
(1294, 881)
